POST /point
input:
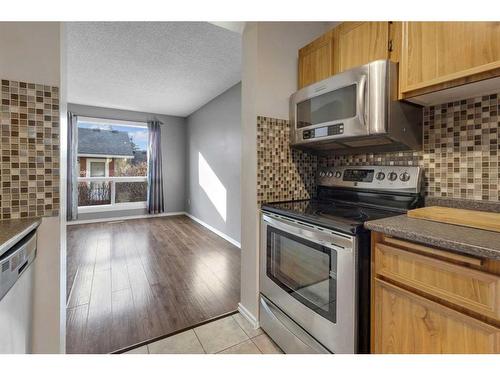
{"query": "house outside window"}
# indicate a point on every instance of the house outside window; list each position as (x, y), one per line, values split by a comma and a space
(97, 168)
(112, 165)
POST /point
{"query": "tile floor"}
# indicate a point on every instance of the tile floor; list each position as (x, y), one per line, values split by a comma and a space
(230, 335)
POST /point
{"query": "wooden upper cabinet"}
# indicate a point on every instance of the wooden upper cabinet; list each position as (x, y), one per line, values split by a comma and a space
(348, 45)
(437, 55)
(316, 60)
(358, 43)
(432, 56)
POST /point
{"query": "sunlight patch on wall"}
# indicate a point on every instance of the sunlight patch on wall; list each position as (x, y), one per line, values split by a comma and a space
(212, 186)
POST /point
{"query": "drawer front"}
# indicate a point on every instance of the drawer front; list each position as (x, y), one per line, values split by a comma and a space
(406, 323)
(471, 289)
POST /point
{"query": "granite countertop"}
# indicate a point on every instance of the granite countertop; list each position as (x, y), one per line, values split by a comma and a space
(466, 204)
(13, 230)
(478, 242)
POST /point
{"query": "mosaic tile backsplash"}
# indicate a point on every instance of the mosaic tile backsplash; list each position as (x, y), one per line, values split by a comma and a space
(461, 147)
(283, 173)
(29, 150)
(460, 154)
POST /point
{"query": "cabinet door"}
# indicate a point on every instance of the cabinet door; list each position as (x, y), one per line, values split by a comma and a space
(359, 43)
(471, 289)
(315, 60)
(406, 323)
(435, 53)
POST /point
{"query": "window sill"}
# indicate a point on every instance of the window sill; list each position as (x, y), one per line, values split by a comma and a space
(112, 207)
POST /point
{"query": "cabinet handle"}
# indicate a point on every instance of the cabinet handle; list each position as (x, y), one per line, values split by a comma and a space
(448, 255)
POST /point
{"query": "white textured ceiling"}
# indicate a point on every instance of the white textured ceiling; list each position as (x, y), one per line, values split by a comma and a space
(169, 68)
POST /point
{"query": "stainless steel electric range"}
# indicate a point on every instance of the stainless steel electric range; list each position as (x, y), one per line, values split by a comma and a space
(315, 257)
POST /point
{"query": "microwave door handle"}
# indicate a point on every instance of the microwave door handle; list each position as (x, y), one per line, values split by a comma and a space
(361, 100)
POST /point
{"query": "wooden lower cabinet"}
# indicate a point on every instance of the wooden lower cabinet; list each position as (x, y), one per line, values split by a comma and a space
(476, 291)
(407, 323)
(432, 301)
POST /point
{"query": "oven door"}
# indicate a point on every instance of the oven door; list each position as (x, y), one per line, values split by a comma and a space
(309, 273)
(336, 107)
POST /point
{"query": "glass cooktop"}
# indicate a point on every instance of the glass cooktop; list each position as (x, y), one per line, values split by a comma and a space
(341, 216)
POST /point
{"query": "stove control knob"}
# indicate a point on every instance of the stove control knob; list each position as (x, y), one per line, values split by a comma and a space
(380, 176)
(405, 176)
(322, 174)
(329, 174)
(393, 176)
(338, 174)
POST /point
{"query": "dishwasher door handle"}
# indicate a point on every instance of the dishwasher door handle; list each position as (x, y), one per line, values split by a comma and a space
(22, 268)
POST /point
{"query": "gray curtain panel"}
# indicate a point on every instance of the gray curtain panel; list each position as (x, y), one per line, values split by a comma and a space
(72, 172)
(155, 177)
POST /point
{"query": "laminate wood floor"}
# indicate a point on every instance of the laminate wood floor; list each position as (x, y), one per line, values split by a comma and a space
(134, 280)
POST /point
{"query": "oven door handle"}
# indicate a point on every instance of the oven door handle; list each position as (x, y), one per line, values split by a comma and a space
(310, 232)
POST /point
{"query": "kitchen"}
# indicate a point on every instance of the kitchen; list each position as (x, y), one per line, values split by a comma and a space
(369, 191)
(433, 271)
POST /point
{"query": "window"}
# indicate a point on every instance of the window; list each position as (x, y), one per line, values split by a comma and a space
(112, 164)
(97, 169)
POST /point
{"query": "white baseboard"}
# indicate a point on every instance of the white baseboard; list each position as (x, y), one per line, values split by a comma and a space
(248, 316)
(216, 231)
(89, 221)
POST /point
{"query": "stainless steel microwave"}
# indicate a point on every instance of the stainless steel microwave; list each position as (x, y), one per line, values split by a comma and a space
(355, 111)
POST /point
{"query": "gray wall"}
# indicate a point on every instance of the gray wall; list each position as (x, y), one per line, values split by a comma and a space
(269, 76)
(30, 52)
(174, 155)
(214, 131)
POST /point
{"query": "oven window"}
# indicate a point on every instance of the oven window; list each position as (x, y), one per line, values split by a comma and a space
(304, 269)
(334, 105)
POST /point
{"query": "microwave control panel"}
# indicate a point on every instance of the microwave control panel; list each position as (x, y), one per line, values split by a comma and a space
(324, 131)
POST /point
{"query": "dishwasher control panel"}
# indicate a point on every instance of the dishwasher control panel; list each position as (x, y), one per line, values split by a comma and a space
(15, 260)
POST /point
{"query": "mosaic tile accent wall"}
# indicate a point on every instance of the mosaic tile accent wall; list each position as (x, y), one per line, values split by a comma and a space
(461, 144)
(282, 173)
(390, 158)
(29, 150)
(460, 153)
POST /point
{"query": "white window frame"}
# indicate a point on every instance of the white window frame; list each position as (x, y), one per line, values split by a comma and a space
(89, 161)
(112, 180)
(103, 121)
(113, 206)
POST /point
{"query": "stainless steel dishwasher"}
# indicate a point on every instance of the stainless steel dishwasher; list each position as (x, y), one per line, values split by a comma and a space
(16, 300)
